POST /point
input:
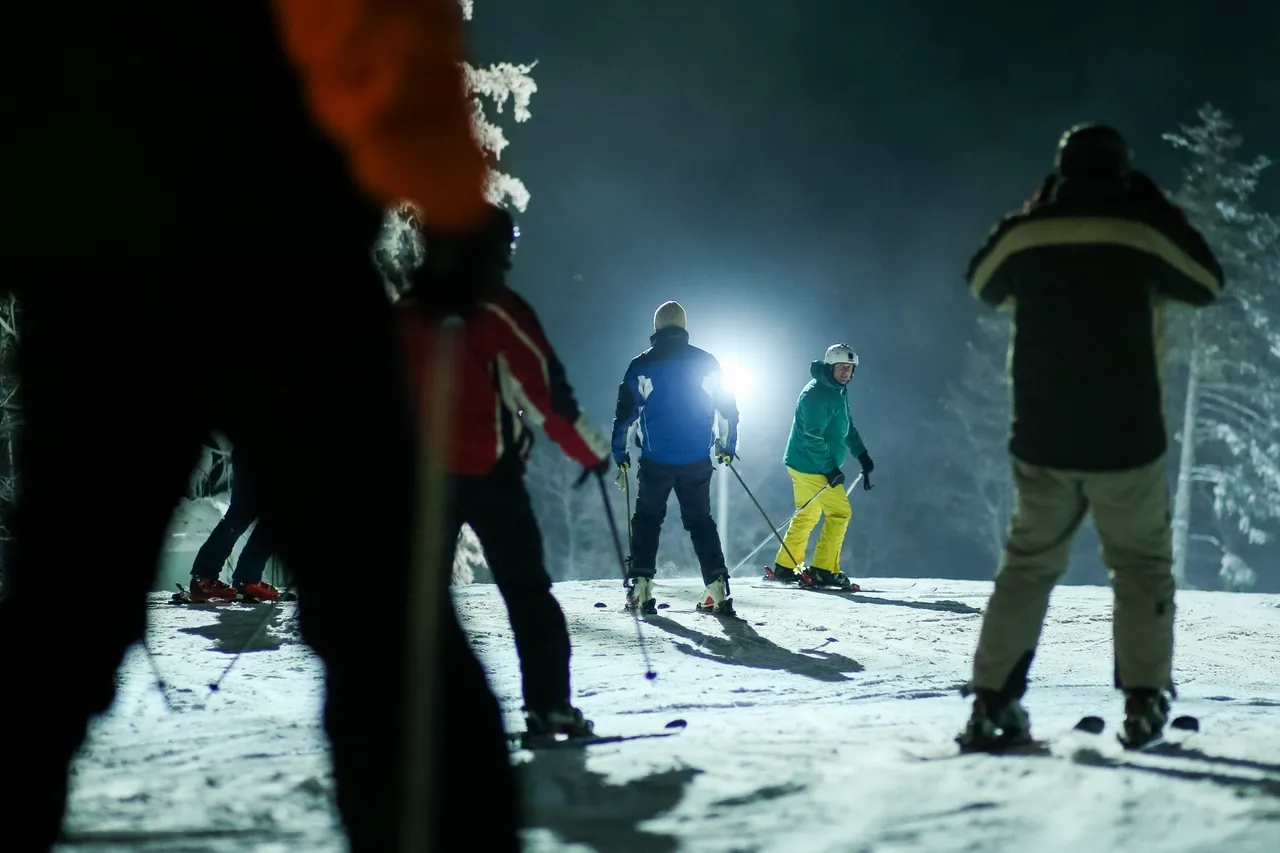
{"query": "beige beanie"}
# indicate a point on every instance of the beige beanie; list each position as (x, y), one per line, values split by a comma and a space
(669, 314)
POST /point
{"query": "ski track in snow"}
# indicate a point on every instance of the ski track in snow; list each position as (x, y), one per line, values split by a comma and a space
(806, 723)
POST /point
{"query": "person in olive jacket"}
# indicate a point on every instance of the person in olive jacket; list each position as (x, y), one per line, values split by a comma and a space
(1087, 269)
(821, 434)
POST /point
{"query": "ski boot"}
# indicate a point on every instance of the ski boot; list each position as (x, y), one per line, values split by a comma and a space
(1145, 713)
(259, 591)
(781, 574)
(715, 598)
(210, 589)
(640, 596)
(566, 723)
(998, 722)
(828, 580)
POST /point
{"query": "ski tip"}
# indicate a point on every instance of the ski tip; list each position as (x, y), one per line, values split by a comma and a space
(1091, 724)
(676, 724)
(1186, 723)
(651, 675)
(663, 606)
(601, 604)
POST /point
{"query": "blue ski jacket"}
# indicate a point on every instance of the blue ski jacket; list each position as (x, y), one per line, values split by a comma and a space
(675, 391)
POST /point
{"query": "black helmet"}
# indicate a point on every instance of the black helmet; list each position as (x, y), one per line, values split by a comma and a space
(1092, 150)
(504, 234)
(460, 270)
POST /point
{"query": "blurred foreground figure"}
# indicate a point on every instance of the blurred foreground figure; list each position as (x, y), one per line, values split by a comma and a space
(509, 378)
(217, 275)
(1086, 268)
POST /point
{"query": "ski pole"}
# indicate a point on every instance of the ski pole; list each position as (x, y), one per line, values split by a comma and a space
(774, 532)
(622, 566)
(161, 685)
(626, 485)
(764, 514)
(262, 623)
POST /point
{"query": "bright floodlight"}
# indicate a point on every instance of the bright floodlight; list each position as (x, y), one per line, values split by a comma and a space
(736, 377)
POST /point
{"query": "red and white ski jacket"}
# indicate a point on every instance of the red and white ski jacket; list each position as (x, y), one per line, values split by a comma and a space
(506, 377)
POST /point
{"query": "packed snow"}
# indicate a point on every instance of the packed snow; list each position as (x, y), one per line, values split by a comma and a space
(808, 726)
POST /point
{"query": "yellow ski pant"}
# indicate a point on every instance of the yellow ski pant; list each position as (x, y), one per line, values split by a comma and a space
(830, 501)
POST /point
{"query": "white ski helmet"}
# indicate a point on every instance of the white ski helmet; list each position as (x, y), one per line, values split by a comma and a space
(841, 354)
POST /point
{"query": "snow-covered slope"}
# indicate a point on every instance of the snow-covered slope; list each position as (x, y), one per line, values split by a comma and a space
(806, 725)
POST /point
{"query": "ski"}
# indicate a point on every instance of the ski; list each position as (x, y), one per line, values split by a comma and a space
(1034, 747)
(523, 740)
(183, 596)
(1090, 725)
(698, 609)
(1185, 723)
(769, 581)
(791, 585)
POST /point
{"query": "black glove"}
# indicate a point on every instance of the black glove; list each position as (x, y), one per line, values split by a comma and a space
(864, 459)
(599, 469)
(835, 477)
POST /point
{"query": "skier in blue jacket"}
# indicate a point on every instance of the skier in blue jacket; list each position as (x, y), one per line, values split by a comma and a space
(675, 391)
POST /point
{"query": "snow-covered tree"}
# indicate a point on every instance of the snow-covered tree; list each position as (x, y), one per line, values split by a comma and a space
(575, 536)
(975, 493)
(10, 416)
(1229, 355)
(469, 565)
(490, 87)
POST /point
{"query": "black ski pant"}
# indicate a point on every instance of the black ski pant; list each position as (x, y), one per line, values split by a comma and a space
(106, 361)
(242, 511)
(496, 507)
(692, 485)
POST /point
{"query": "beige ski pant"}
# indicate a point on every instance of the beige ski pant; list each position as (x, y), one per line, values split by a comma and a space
(1131, 512)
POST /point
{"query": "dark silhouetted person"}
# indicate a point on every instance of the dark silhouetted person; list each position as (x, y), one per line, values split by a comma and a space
(246, 579)
(226, 194)
(1087, 268)
(511, 378)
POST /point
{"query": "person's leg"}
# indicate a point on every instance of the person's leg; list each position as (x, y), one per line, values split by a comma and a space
(808, 511)
(1050, 505)
(499, 511)
(1131, 512)
(834, 505)
(253, 559)
(654, 483)
(693, 492)
(216, 550)
(93, 376)
(339, 511)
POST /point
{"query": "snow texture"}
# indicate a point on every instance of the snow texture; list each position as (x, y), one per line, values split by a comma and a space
(806, 724)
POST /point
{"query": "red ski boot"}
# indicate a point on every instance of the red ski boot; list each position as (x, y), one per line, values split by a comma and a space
(211, 589)
(260, 591)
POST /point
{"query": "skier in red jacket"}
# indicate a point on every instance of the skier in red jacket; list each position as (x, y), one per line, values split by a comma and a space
(507, 376)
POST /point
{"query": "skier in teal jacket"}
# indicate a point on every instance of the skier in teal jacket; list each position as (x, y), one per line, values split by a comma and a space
(821, 434)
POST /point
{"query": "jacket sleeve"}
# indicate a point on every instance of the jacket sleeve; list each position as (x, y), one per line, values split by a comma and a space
(1192, 274)
(626, 413)
(541, 383)
(726, 407)
(384, 79)
(989, 277)
(813, 417)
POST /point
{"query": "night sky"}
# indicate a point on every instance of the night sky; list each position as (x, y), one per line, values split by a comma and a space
(800, 174)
